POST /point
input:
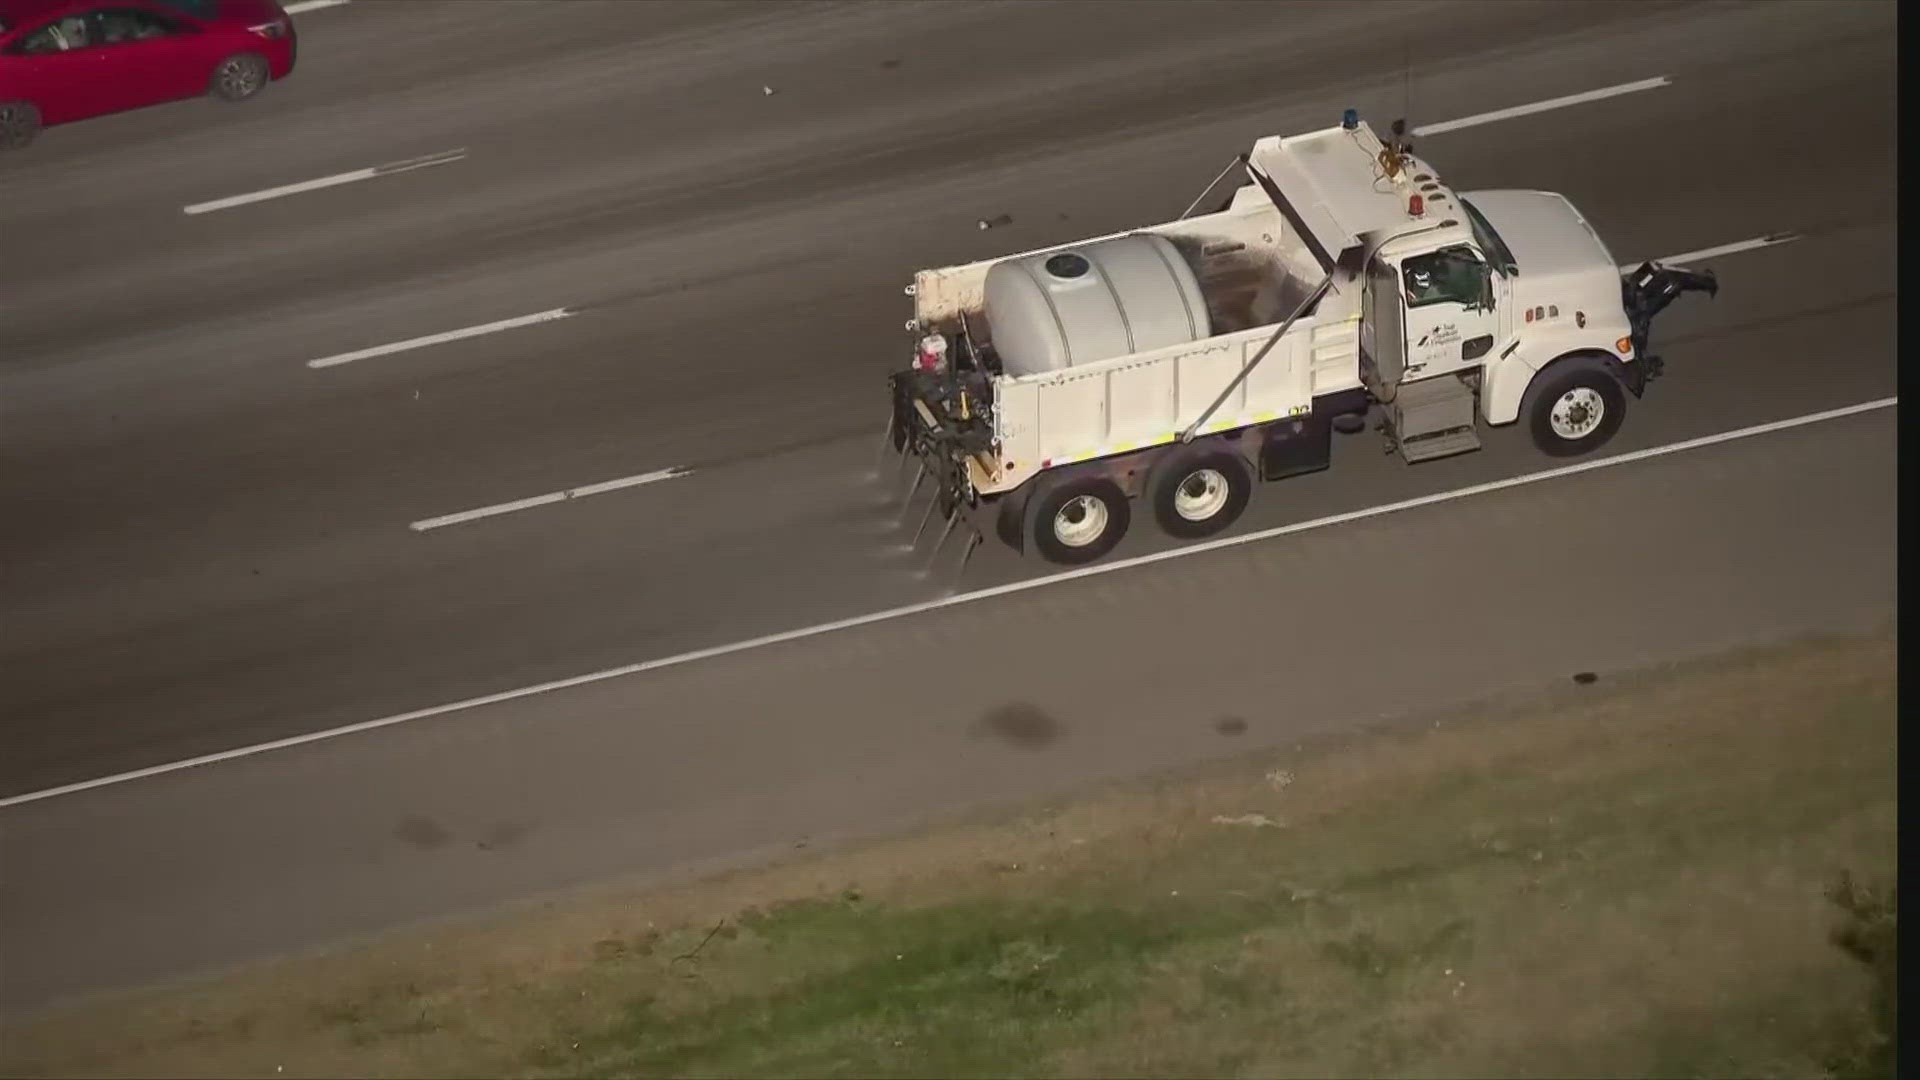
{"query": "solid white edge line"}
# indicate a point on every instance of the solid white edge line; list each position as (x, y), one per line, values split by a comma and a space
(1543, 106)
(550, 497)
(955, 601)
(312, 5)
(1686, 257)
(442, 338)
(446, 157)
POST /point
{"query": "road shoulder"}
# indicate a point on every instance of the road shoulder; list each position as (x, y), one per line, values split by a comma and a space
(1629, 876)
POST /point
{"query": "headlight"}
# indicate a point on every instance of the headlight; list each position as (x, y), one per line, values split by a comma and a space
(271, 30)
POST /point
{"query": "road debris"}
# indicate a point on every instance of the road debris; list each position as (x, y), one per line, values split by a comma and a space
(1258, 821)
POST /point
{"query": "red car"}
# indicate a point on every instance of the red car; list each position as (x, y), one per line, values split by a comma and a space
(67, 60)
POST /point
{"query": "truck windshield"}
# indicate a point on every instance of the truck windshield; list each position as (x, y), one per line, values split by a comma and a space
(1489, 240)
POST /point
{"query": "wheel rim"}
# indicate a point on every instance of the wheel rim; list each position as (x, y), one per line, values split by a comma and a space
(1082, 521)
(1577, 413)
(238, 78)
(14, 125)
(1201, 495)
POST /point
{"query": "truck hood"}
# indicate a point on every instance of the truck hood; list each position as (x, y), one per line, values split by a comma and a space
(1556, 251)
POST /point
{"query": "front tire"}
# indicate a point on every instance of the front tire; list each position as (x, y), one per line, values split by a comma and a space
(1576, 412)
(1080, 520)
(19, 124)
(239, 77)
(1198, 494)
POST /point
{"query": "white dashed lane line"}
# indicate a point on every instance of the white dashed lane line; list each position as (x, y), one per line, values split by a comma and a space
(600, 488)
(392, 168)
(441, 338)
(1703, 254)
(1543, 106)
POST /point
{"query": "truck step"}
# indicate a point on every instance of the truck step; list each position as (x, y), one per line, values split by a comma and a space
(1432, 418)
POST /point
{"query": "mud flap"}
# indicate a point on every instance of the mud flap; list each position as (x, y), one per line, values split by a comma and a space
(1296, 447)
(1010, 523)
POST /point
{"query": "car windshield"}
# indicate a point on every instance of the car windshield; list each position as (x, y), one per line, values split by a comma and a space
(1489, 240)
(204, 9)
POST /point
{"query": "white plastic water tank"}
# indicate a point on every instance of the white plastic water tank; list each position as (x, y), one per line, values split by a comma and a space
(1094, 302)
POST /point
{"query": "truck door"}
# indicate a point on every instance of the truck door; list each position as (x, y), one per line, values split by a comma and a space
(1450, 318)
(1382, 336)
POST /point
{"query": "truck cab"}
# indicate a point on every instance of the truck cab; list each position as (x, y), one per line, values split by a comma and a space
(1487, 287)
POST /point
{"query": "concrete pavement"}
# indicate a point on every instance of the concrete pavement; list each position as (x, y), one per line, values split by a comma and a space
(205, 541)
(864, 730)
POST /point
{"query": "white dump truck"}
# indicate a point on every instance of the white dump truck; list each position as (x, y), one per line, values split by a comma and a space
(1181, 362)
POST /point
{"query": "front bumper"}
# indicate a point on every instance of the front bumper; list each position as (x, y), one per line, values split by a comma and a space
(1645, 293)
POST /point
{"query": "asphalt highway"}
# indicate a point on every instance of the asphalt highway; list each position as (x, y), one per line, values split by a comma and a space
(205, 541)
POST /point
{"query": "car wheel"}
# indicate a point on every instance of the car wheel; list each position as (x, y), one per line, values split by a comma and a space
(1199, 494)
(239, 77)
(1080, 520)
(19, 123)
(1576, 412)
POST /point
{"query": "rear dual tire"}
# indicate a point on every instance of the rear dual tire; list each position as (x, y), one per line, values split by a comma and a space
(1194, 494)
(1199, 493)
(1080, 520)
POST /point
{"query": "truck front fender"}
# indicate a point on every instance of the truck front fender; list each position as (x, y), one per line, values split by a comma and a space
(1503, 381)
(1586, 359)
(1504, 384)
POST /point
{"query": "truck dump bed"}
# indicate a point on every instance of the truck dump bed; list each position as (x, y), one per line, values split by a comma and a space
(1253, 271)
